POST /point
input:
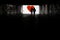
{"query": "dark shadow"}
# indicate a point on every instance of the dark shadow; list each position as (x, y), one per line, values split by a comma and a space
(33, 10)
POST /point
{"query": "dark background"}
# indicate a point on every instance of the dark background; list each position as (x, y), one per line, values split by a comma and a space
(29, 23)
(29, 2)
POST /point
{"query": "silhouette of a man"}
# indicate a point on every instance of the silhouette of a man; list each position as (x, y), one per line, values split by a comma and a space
(33, 10)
